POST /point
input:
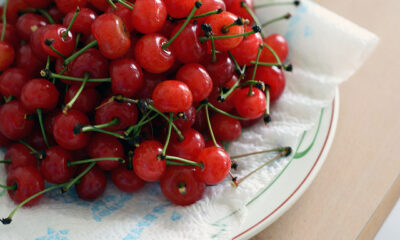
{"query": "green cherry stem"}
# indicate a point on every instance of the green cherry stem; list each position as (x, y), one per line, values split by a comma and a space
(40, 118)
(4, 20)
(192, 163)
(253, 15)
(13, 187)
(7, 161)
(224, 96)
(213, 50)
(237, 66)
(9, 98)
(180, 136)
(46, 15)
(130, 160)
(111, 2)
(173, 163)
(38, 154)
(80, 162)
(70, 104)
(47, 74)
(225, 113)
(260, 48)
(281, 149)
(65, 187)
(296, 3)
(238, 22)
(197, 5)
(79, 52)
(218, 11)
(140, 124)
(49, 43)
(99, 128)
(126, 4)
(164, 151)
(267, 115)
(278, 60)
(78, 38)
(256, 29)
(286, 16)
(65, 34)
(209, 126)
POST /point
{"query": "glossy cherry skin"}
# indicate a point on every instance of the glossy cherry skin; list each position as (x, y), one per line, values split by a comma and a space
(126, 77)
(177, 177)
(184, 124)
(247, 49)
(197, 79)
(65, 45)
(211, 5)
(104, 146)
(151, 56)
(235, 6)
(187, 47)
(83, 22)
(217, 23)
(172, 96)
(39, 93)
(28, 181)
(225, 128)
(28, 61)
(54, 168)
(92, 185)
(145, 160)
(229, 102)
(38, 3)
(150, 81)
(29, 23)
(222, 70)
(279, 44)
(87, 101)
(63, 130)
(13, 122)
(179, 8)
(273, 77)
(124, 13)
(12, 80)
(110, 32)
(126, 180)
(36, 43)
(216, 165)
(66, 6)
(126, 112)
(250, 107)
(19, 156)
(148, 16)
(7, 55)
(189, 148)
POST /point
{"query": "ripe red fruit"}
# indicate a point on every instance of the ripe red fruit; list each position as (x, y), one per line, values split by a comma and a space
(197, 79)
(211, 5)
(235, 6)
(179, 8)
(189, 148)
(126, 77)
(220, 71)
(36, 43)
(150, 81)
(126, 180)
(274, 77)
(225, 128)
(65, 45)
(29, 23)
(250, 107)
(14, 123)
(70, 5)
(87, 101)
(7, 55)
(229, 102)
(11, 82)
(19, 155)
(83, 22)
(216, 165)
(124, 13)
(184, 124)
(92, 185)
(145, 160)
(279, 44)
(39, 93)
(248, 49)
(54, 168)
(104, 146)
(172, 96)
(148, 16)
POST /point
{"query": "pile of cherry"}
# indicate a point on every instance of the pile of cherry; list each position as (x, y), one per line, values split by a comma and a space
(86, 93)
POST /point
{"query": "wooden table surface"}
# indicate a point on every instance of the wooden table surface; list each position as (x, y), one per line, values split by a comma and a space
(359, 183)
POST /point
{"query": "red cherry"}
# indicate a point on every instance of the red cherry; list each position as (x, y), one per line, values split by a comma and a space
(274, 77)
(11, 82)
(145, 160)
(229, 102)
(36, 43)
(249, 123)
(110, 32)
(13, 121)
(124, 13)
(126, 112)
(20, 156)
(279, 44)
(126, 180)
(235, 6)
(197, 79)
(28, 181)
(221, 71)
(180, 186)
(248, 49)
(101, 5)
(250, 107)
(28, 61)
(50, 119)
(63, 130)
(36, 139)
(65, 45)
(38, 3)
(148, 16)
(54, 168)
(172, 96)
(126, 77)
(211, 5)
(188, 122)
(7, 55)
(179, 8)
(225, 128)
(70, 5)
(200, 123)
(10, 35)
(56, 14)
(14, 8)
(39, 93)
(150, 54)
(29, 23)
(216, 165)
(150, 81)
(104, 146)
(92, 185)
(87, 101)
(83, 22)
(189, 148)
(167, 28)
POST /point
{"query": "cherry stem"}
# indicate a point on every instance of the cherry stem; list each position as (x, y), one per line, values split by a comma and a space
(13, 187)
(49, 43)
(213, 50)
(78, 93)
(40, 118)
(180, 136)
(286, 16)
(9, 98)
(172, 163)
(284, 152)
(126, 4)
(281, 149)
(218, 11)
(142, 122)
(278, 60)
(267, 115)
(260, 48)
(69, 164)
(253, 15)
(48, 74)
(296, 3)
(256, 29)
(111, 2)
(130, 160)
(68, 185)
(197, 5)
(7, 161)
(210, 127)
(78, 38)
(4, 19)
(79, 52)
(39, 155)
(164, 151)
(192, 163)
(225, 113)
(99, 128)
(238, 22)
(224, 96)
(65, 34)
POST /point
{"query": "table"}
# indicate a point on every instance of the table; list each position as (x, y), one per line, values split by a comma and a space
(360, 181)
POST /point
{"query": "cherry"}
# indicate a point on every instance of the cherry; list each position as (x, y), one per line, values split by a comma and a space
(126, 180)
(66, 6)
(274, 77)
(110, 32)
(249, 123)
(180, 186)
(19, 155)
(167, 28)
(235, 6)
(11, 82)
(150, 81)
(124, 13)
(172, 96)
(54, 168)
(248, 49)
(279, 44)
(216, 165)
(225, 128)
(28, 61)
(83, 22)
(126, 112)
(179, 8)
(100, 5)
(197, 79)
(7, 55)
(102, 146)
(54, 35)
(39, 93)
(250, 106)
(148, 16)
(92, 185)
(29, 23)
(151, 55)
(146, 162)
(87, 100)
(50, 119)
(188, 121)
(126, 77)
(210, 5)
(10, 35)
(14, 123)
(14, 8)
(220, 71)
(63, 130)
(189, 148)
(187, 46)
(36, 43)
(38, 3)
(229, 102)
(200, 123)
(56, 14)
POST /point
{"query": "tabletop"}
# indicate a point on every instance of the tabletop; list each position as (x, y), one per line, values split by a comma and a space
(360, 181)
